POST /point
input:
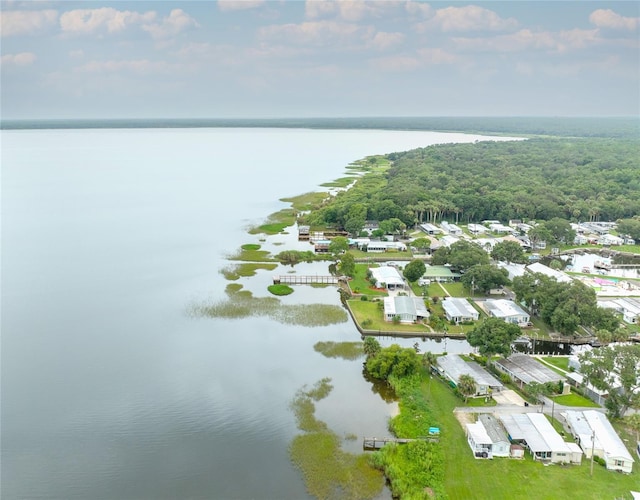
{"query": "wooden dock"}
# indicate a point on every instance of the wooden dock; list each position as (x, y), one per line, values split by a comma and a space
(373, 443)
(297, 279)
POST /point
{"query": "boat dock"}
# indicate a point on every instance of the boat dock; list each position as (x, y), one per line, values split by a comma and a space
(297, 279)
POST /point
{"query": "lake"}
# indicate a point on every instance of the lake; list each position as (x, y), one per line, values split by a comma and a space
(109, 388)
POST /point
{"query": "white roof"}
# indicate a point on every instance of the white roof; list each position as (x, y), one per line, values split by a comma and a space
(537, 267)
(387, 274)
(536, 430)
(605, 433)
(478, 433)
(513, 269)
(581, 428)
(477, 228)
(503, 308)
(407, 305)
(457, 307)
(528, 369)
(448, 240)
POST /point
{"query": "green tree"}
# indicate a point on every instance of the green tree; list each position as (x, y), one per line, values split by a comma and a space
(414, 270)
(393, 226)
(493, 336)
(561, 231)
(630, 227)
(347, 264)
(429, 360)
(421, 244)
(466, 386)
(393, 361)
(338, 245)
(484, 277)
(539, 234)
(537, 390)
(615, 369)
(508, 251)
(371, 346)
(633, 421)
(461, 255)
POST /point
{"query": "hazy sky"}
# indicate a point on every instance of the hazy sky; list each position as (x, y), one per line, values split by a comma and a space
(258, 58)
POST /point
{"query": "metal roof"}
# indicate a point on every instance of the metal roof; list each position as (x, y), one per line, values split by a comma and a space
(457, 307)
(454, 366)
(493, 428)
(605, 433)
(528, 369)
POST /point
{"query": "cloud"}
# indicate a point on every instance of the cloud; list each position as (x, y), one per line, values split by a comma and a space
(526, 39)
(229, 5)
(89, 21)
(423, 58)
(21, 59)
(320, 33)
(177, 21)
(419, 8)
(383, 40)
(469, 18)
(25, 22)
(606, 18)
(139, 66)
(350, 10)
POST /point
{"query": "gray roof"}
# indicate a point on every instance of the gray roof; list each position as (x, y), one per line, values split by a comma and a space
(528, 369)
(457, 307)
(535, 429)
(493, 428)
(454, 366)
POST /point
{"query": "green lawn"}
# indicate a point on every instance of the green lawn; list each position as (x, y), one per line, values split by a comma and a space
(574, 399)
(561, 362)
(359, 283)
(366, 310)
(456, 289)
(467, 478)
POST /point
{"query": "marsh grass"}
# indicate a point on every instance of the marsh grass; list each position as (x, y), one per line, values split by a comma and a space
(242, 304)
(342, 182)
(276, 222)
(328, 471)
(306, 202)
(251, 254)
(280, 289)
(344, 350)
(245, 270)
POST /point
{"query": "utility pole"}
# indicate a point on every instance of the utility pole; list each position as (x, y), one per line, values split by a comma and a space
(593, 446)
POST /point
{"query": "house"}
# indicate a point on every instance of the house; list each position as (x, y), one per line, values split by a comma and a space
(452, 229)
(321, 246)
(506, 310)
(452, 366)
(387, 277)
(479, 441)
(385, 246)
(441, 274)
(580, 239)
(459, 310)
(630, 309)
(476, 229)
(407, 309)
(610, 240)
(539, 436)
(370, 226)
(303, 233)
(525, 369)
(559, 276)
(594, 432)
(513, 269)
(500, 444)
(447, 240)
(430, 229)
(497, 227)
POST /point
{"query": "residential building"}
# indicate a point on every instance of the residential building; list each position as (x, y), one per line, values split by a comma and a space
(476, 229)
(500, 444)
(452, 229)
(525, 369)
(406, 309)
(506, 310)
(559, 276)
(452, 366)
(594, 433)
(442, 274)
(387, 277)
(459, 310)
(479, 441)
(430, 229)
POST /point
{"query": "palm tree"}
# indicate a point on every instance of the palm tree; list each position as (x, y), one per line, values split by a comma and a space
(466, 386)
(429, 360)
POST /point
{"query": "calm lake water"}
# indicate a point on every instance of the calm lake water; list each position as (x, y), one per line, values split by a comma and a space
(110, 390)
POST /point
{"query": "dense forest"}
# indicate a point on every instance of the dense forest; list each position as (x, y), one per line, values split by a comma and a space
(586, 179)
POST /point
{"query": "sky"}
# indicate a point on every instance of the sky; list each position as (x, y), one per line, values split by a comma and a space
(270, 59)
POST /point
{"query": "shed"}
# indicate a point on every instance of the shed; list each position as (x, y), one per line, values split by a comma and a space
(516, 451)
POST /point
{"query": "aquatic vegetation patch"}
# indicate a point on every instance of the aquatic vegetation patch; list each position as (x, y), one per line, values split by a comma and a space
(307, 201)
(251, 254)
(343, 182)
(242, 304)
(245, 270)
(328, 471)
(344, 350)
(280, 289)
(276, 222)
(250, 246)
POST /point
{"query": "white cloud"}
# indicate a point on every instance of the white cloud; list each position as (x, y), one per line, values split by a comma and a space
(89, 21)
(419, 8)
(529, 40)
(21, 59)
(606, 18)
(177, 21)
(469, 18)
(383, 40)
(228, 5)
(432, 56)
(313, 33)
(139, 66)
(396, 63)
(26, 22)
(350, 10)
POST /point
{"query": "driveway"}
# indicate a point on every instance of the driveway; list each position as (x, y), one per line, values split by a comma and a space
(508, 397)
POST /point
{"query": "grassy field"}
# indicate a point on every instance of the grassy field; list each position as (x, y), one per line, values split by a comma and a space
(561, 362)
(367, 310)
(575, 400)
(456, 289)
(359, 283)
(467, 478)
